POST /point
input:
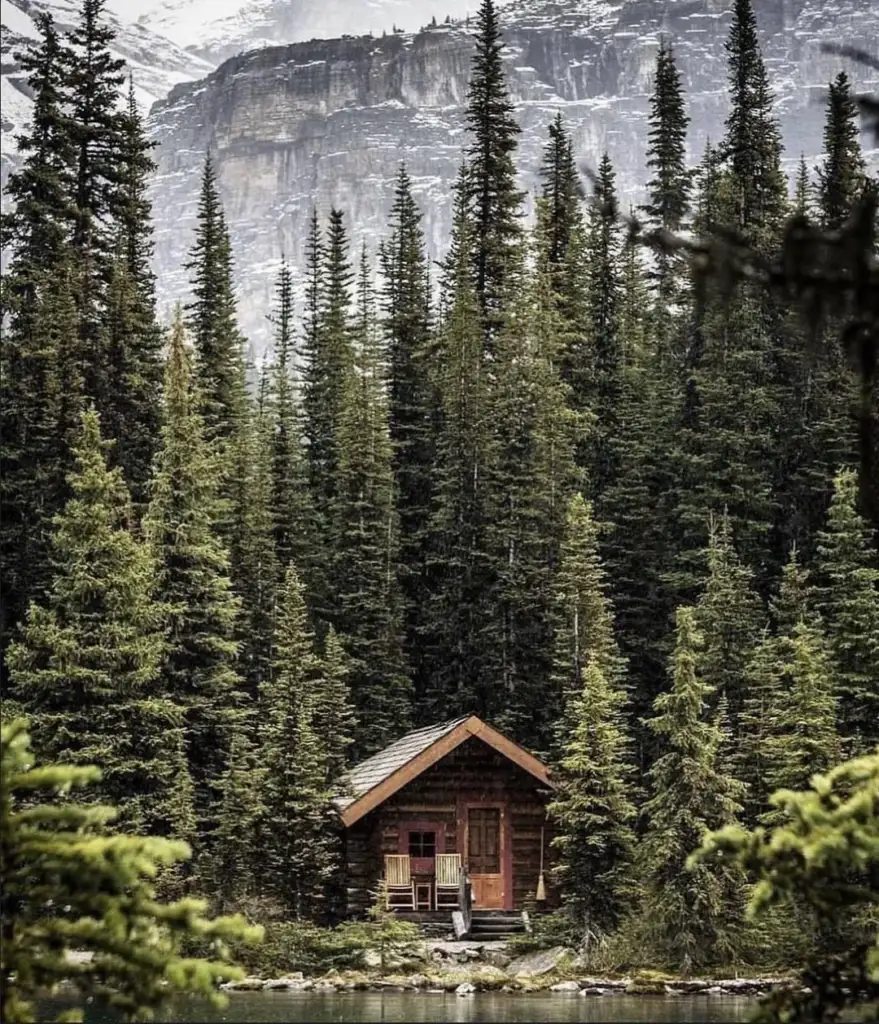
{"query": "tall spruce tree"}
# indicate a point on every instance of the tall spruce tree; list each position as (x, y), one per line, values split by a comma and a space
(603, 300)
(298, 853)
(494, 200)
(692, 918)
(459, 558)
(365, 560)
(593, 807)
(669, 189)
(752, 144)
(849, 601)
(40, 363)
(842, 175)
(199, 666)
(335, 720)
(211, 318)
(729, 615)
(412, 402)
(531, 477)
(87, 666)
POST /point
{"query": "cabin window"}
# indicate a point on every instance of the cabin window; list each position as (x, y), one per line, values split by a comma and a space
(422, 844)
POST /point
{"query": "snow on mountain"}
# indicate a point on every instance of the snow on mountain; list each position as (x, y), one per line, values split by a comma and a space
(157, 64)
(218, 29)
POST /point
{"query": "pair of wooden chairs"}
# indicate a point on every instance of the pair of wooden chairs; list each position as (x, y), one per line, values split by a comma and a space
(401, 886)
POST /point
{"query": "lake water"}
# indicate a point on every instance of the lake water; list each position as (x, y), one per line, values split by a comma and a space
(482, 1008)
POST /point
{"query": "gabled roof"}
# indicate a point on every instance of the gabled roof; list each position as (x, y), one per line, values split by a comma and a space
(377, 778)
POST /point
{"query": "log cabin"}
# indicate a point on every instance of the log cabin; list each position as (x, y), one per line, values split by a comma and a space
(451, 814)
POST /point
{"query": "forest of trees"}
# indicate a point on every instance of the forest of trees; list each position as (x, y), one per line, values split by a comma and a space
(547, 482)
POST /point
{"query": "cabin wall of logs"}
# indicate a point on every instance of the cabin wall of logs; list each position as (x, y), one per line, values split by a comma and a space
(472, 774)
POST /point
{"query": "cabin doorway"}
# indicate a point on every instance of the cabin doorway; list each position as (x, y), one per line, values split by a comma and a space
(485, 856)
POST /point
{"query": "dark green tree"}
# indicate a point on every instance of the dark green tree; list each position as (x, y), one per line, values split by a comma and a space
(842, 176)
(69, 887)
(218, 366)
(86, 668)
(493, 197)
(849, 602)
(692, 918)
(412, 401)
(298, 852)
(365, 560)
(335, 721)
(199, 667)
(593, 806)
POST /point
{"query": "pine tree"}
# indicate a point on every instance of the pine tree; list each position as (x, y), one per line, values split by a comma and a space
(531, 476)
(593, 806)
(669, 189)
(494, 200)
(335, 721)
(603, 301)
(849, 602)
(293, 525)
(584, 633)
(68, 887)
(298, 850)
(365, 531)
(412, 401)
(459, 559)
(562, 191)
(219, 361)
(87, 666)
(199, 667)
(692, 918)
(842, 177)
(236, 843)
(752, 145)
(729, 615)
(39, 351)
(132, 337)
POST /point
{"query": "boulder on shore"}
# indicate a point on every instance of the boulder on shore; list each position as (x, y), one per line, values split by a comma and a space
(532, 965)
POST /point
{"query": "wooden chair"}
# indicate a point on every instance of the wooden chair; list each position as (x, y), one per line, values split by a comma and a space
(447, 881)
(398, 875)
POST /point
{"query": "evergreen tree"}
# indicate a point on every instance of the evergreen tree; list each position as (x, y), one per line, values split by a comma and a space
(366, 548)
(670, 187)
(298, 852)
(132, 337)
(849, 602)
(293, 526)
(729, 615)
(752, 145)
(593, 806)
(530, 479)
(412, 402)
(562, 191)
(604, 284)
(459, 558)
(219, 362)
(236, 841)
(692, 918)
(334, 719)
(199, 667)
(39, 350)
(68, 887)
(87, 666)
(842, 177)
(494, 200)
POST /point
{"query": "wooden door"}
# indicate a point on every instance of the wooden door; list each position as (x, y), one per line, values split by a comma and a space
(485, 856)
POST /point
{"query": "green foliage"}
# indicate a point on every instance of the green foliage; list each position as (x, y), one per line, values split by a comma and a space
(593, 808)
(824, 851)
(198, 667)
(68, 887)
(87, 665)
(382, 931)
(691, 919)
(849, 602)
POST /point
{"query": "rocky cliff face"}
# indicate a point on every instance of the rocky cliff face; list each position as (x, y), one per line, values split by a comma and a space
(327, 122)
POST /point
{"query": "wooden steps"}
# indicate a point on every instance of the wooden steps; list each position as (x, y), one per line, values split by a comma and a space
(490, 925)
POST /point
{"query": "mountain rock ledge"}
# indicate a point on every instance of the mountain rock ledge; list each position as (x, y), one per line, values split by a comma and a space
(328, 121)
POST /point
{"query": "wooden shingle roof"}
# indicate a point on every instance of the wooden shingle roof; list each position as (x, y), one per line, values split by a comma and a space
(377, 778)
